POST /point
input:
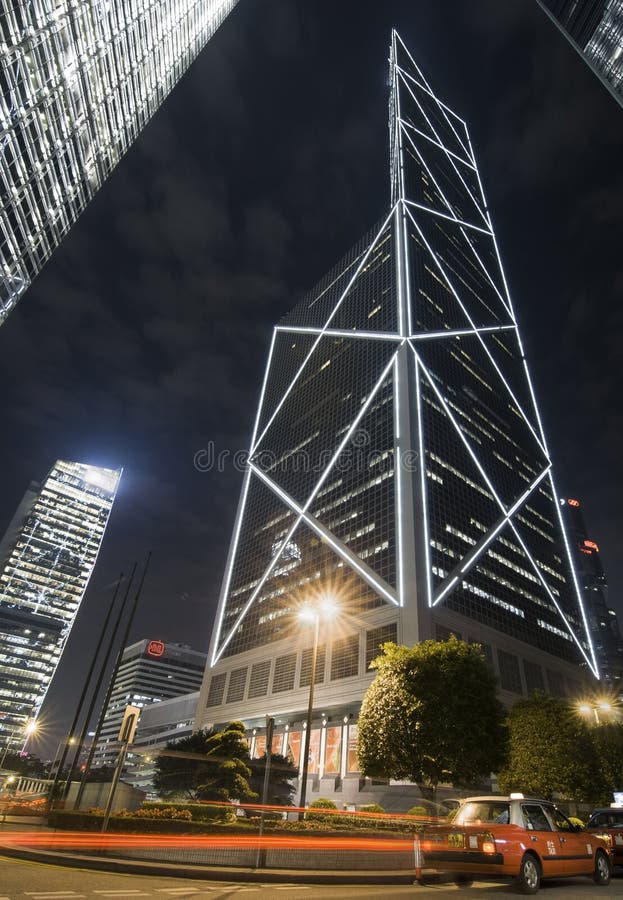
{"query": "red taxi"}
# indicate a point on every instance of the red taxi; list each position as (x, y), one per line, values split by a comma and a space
(514, 837)
(608, 823)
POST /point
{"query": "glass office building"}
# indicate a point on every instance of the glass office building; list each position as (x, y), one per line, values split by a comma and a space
(397, 465)
(595, 29)
(78, 81)
(46, 559)
(150, 671)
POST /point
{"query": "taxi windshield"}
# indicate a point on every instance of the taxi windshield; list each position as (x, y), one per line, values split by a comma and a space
(479, 812)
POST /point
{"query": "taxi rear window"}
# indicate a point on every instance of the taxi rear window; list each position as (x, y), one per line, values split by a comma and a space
(480, 812)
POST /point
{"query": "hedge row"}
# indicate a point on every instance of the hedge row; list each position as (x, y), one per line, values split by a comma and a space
(76, 820)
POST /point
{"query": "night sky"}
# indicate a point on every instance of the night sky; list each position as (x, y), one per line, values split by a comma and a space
(145, 337)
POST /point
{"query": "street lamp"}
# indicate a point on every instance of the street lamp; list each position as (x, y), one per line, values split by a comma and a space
(29, 729)
(595, 707)
(312, 613)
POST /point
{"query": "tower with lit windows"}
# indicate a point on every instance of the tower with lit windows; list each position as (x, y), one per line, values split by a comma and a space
(78, 82)
(595, 29)
(46, 559)
(397, 465)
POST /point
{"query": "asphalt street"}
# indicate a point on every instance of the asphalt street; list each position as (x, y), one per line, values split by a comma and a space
(22, 880)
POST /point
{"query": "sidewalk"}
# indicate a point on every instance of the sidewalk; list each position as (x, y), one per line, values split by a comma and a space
(206, 873)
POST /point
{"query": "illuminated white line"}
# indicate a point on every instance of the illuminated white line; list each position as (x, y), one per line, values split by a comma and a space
(428, 574)
(398, 485)
(230, 563)
(578, 593)
(453, 218)
(398, 131)
(264, 383)
(481, 546)
(406, 267)
(446, 590)
(334, 332)
(523, 355)
(415, 147)
(400, 298)
(428, 88)
(459, 332)
(308, 503)
(484, 346)
(459, 431)
(451, 161)
(362, 263)
(406, 124)
(548, 590)
(488, 275)
(340, 548)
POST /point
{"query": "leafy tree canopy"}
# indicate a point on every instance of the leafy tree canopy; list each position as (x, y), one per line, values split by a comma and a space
(281, 777)
(551, 751)
(207, 765)
(432, 714)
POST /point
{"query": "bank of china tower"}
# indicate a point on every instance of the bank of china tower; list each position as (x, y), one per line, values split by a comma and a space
(398, 467)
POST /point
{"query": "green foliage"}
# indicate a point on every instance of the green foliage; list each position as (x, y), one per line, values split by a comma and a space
(371, 808)
(281, 777)
(431, 715)
(418, 811)
(551, 751)
(321, 803)
(608, 743)
(207, 765)
(91, 820)
(198, 812)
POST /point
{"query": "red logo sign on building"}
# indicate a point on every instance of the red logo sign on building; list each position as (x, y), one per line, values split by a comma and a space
(155, 648)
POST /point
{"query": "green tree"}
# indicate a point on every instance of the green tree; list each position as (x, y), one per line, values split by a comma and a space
(226, 772)
(550, 751)
(431, 715)
(207, 765)
(608, 742)
(281, 777)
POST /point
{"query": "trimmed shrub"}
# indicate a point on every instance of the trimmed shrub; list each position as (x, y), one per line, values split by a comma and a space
(199, 812)
(418, 811)
(321, 803)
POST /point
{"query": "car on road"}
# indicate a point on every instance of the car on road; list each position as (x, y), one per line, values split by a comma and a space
(609, 822)
(514, 837)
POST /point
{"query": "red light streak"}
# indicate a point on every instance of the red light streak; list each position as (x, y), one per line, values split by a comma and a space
(68, 840)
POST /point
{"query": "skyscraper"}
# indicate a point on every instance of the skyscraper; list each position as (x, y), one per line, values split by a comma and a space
(398, 465)
(78, 81)
(602, 620)
(46, 559)
(150, 671)
(595, 29)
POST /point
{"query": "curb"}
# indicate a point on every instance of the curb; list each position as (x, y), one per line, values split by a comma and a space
(205, 873)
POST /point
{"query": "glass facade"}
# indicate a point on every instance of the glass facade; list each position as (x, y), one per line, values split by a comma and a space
(595, 28)
(46, 560)
(398, 464)
(77, 84)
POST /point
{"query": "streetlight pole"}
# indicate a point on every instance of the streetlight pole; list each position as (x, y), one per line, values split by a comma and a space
(310, 712)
